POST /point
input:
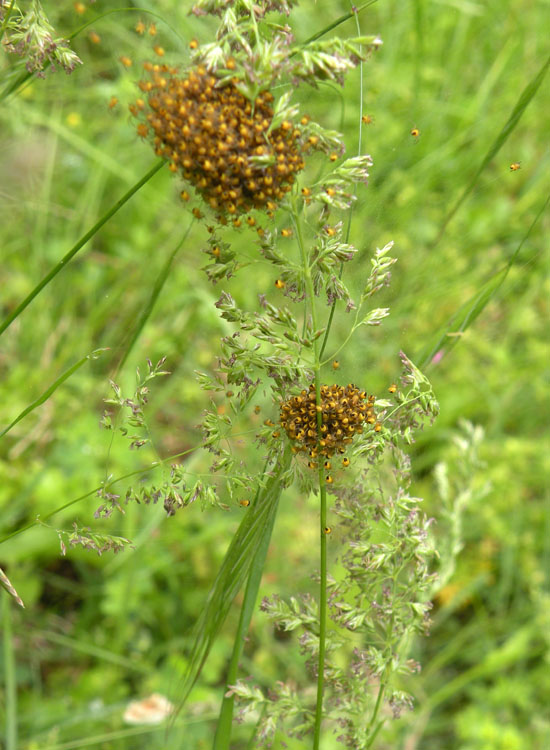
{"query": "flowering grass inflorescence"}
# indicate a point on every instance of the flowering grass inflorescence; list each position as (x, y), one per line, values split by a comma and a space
(29, 34)
(243, 150)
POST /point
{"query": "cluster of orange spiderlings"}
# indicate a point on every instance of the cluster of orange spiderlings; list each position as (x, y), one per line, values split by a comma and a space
(344, 411)
(218, 140)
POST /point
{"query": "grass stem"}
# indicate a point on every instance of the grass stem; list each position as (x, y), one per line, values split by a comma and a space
(322, 491)
(80, 244)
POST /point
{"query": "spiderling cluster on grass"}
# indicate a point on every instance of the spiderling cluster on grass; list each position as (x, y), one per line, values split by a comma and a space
(246, 155)
(250, 156)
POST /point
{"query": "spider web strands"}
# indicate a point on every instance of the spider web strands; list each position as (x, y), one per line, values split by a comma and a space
(242, 554)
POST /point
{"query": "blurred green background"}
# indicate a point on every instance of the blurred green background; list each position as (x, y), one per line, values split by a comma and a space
(100, 631)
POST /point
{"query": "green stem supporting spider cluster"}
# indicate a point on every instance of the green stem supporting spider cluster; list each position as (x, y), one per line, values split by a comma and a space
(322, 492)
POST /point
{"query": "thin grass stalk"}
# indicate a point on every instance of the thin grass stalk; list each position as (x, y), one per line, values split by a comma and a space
(322, 492)
(105, 486)
(342, 19)
(157, 289)
(10, 680)
(79, 245)
(51, 390)
(467, 314)
(225, 721)
(517, 113)
(350, 213)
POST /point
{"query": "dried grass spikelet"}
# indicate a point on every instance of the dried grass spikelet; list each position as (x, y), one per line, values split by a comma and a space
(344, 412)
(220, 142)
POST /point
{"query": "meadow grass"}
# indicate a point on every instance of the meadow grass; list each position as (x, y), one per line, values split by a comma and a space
(106, 629)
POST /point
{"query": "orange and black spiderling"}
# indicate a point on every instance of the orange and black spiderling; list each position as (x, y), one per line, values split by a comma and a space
(392, 388)
(279, 284)
(415, 132)
(327, 530)
(244, 503)
(344, 410)
(335, 364)
(345, 462)
(515, 166)
(220, 142)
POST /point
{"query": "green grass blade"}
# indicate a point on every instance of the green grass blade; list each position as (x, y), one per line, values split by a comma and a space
(10, 679)
(338, 21)
(81, 242)
(148, 309)
(53, 387)
(233, 572)
(225, 721)
(471, 309)
(523, 102)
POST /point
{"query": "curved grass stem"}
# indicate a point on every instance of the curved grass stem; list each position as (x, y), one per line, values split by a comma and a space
(353, 12)
(79, 245)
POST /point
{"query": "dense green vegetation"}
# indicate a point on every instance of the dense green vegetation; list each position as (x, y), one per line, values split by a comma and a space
(99, 631)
